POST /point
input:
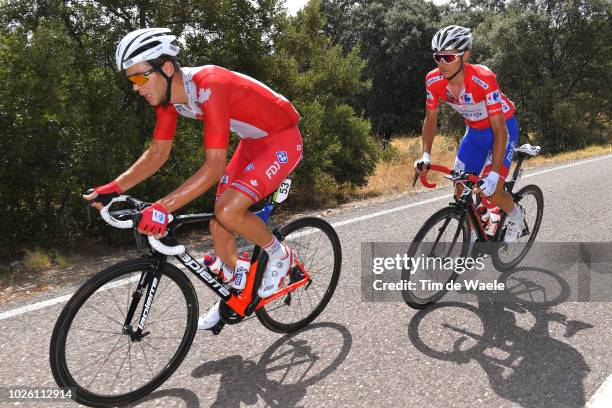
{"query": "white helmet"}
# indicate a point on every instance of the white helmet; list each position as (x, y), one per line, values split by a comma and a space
(453, 37)
(145, 44)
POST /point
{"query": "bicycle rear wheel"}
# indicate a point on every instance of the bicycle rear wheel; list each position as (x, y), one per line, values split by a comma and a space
(444, 235)
(92, 351)
(317, 247)
(508, 256)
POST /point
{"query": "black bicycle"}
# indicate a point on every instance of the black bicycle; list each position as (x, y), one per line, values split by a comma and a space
(129, 327)
(446, 234)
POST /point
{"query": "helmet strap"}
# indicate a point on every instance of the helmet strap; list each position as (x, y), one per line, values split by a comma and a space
(168, 85)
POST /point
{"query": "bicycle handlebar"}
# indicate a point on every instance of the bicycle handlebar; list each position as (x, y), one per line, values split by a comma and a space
(466, 176)
(105, 214)
(155, 243)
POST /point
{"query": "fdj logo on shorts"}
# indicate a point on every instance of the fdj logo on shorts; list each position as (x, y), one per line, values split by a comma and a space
(282, 157)
(273, 169)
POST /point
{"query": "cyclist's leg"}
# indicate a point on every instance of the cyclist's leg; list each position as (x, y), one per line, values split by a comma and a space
(471, 156)
(501, 198)
(224, 242)
(278, 156)
(472, 152)
(269, 161)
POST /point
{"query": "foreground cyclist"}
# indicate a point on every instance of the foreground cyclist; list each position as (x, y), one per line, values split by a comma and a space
(269, 149)
(491, 128)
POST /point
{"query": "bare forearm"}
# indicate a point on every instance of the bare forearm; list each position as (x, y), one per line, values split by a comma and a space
(195, 186)
(147, 165)
(428, 135)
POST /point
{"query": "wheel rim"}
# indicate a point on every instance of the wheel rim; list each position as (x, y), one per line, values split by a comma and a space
(445, 239)
(102, 360)
(314, 248)
(510, 253)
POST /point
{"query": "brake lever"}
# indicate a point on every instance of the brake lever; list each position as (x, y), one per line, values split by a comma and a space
(416, 177)
(88, 208)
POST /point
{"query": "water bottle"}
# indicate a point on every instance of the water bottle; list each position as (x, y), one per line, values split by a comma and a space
(483, 213)
(217, 267)
(240, 271)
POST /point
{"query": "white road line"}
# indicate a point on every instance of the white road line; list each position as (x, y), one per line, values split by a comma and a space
(61, 299)
(602, 398)
(431, 200)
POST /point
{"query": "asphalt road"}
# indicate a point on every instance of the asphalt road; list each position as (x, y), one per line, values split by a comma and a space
(357, 353)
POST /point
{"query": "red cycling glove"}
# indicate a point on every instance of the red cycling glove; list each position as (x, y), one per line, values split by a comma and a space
(107, 192)
(154, 219)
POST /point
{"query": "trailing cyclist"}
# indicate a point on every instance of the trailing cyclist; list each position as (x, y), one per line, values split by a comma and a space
(270, 148)
(491, 127)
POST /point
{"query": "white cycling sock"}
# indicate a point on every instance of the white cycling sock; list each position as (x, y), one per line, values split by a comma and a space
(275, 249)
(515, 214)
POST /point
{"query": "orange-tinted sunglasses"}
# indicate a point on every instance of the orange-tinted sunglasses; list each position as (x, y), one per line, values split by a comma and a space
(141, 78)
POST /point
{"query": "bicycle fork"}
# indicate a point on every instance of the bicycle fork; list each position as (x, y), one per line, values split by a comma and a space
(149, 279)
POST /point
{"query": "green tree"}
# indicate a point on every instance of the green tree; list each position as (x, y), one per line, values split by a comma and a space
(394, 38)
(70, 120)
(550, 57)
(320, 79)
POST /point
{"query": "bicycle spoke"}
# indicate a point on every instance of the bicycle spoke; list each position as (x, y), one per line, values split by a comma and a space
(110, 292)
(100, 340)
(104, 363)
(146, 358)
(121, 366)
(166, 320)
(94, 331)
(108, 317)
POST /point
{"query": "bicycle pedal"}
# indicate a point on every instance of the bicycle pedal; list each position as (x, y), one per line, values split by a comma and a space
(216, 329)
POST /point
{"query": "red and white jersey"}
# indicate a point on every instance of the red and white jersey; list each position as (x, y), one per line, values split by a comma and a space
(225, 100)
(480, 96)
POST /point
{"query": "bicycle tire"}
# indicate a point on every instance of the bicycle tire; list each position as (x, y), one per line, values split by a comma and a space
(504, 266)
(57, 350)
(444, 214)
(263, 313)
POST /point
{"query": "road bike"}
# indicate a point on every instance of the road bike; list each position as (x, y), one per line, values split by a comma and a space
(446, 234)
(129, 327)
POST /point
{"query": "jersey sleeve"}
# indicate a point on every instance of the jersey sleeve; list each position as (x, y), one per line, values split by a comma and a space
(432, 100)
(165, 127)
(493, 97)
(214, 97)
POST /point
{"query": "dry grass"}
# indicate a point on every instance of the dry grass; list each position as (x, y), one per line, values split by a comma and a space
(589, 151)
(37, 260)
(396, 176)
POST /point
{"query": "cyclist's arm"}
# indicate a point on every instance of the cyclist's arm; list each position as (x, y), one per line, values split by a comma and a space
(500, 134)
(207, 176)
(148, 164)
(429, 129)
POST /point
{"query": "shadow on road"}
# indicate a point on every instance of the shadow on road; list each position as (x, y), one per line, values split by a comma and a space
(284, 371)
(190, 399)
(510, 337)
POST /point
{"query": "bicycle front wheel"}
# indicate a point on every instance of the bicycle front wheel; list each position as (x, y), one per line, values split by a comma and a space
(508, 256)
(317, 247)
(93, 349)
(444, 235)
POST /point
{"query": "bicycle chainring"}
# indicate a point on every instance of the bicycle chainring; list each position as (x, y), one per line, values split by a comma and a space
(228, 315)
